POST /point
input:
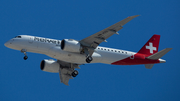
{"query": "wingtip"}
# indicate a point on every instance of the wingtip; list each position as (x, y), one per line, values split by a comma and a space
(65, 83)
(134, 16)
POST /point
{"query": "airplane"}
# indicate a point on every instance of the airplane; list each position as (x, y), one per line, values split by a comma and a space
(70, 53)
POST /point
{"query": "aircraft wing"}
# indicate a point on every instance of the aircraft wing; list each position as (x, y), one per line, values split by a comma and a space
(64, 76)
(66, 70)
(94, 40)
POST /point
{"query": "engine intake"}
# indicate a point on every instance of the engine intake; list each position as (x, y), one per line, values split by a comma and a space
(71, 45)
(49, 66)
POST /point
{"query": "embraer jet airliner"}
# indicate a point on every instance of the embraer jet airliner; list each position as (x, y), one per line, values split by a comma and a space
(71, 53)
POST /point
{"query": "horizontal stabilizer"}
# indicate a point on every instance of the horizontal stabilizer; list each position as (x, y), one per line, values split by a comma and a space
(149, 66)
(159, 54)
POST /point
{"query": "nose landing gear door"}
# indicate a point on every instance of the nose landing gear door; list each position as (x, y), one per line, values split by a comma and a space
(31, 39)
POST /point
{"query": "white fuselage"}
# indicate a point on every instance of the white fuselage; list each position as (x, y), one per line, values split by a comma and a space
(51, 47)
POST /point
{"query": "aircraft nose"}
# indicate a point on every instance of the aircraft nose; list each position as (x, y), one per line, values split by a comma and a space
(8, 43)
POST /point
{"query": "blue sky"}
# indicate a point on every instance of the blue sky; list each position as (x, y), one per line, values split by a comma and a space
(76, 19)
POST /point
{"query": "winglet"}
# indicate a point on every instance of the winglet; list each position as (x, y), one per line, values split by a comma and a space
(126, 20)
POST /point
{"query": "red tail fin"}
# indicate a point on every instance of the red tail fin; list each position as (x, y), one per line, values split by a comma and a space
(151, 46)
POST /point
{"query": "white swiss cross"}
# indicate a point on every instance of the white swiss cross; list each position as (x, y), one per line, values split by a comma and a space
(150, 47)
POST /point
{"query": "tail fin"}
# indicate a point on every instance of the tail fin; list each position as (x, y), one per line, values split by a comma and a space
(151, 46)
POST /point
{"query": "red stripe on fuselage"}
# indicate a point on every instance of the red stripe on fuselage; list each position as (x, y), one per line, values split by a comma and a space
(138, 59)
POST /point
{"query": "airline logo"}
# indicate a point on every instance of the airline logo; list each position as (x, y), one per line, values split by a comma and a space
(151, 48)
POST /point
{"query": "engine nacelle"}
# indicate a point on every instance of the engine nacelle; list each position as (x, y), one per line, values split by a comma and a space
(49, 66)
(71, 45)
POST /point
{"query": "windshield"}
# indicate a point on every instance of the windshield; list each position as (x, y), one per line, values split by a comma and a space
(18, 37)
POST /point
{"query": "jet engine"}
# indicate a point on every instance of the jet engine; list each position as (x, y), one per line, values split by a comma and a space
(49, 66)
(71, 45)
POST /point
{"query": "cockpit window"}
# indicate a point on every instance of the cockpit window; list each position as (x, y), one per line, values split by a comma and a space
(18, 37)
